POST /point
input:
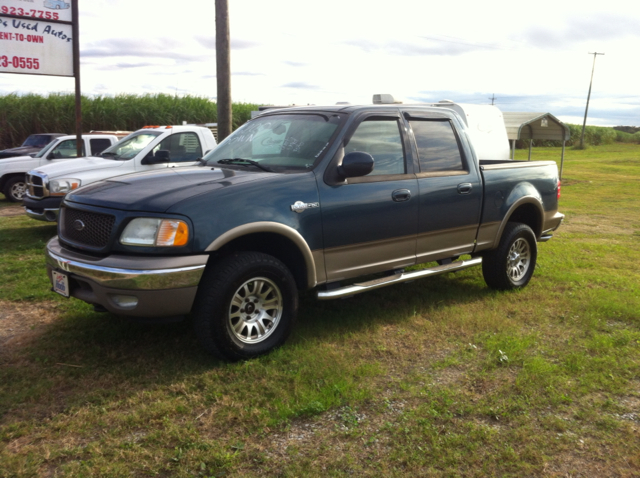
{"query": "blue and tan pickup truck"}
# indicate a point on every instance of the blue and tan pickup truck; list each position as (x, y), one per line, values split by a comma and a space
(341, 199)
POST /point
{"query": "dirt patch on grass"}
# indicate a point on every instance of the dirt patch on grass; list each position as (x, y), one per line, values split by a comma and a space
(595, 225)
(20, 321)
(571, 182)
(15, 210)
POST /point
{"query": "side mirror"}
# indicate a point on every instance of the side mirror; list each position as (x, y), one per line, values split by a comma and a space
(356, 164)
(161, 156)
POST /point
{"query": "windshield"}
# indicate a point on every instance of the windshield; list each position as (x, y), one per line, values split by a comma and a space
(46, 149)
(293, 141)
(37, 140)
(130, 146)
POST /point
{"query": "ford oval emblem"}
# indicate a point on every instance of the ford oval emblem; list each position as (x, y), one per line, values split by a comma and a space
(78, 225)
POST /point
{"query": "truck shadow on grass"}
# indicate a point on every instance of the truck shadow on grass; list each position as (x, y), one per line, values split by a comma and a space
(92, 357)
(26, 238)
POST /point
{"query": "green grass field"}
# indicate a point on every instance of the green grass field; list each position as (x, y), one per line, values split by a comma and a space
(437, 378)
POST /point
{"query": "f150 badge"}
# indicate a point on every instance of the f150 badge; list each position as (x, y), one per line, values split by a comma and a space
(301, 207)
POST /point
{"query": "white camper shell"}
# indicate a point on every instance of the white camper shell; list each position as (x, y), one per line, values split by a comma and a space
(485, 126)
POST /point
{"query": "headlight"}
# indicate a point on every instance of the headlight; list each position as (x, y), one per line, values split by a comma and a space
(149, 231)
(60, 187)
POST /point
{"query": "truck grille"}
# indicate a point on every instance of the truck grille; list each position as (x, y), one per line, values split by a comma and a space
(37, 186)
(86, 228)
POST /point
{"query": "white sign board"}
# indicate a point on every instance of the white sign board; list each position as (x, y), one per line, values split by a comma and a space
(38, 9)
(30, 44)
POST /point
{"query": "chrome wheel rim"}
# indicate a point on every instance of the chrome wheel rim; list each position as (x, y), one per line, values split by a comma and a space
(18, 190)
(518, 260)
(255, 310)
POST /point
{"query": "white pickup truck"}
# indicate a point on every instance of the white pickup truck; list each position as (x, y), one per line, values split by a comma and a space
(13, 170)
(149, 148)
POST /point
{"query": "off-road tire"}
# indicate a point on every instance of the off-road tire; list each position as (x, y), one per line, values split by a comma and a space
(511, 265)
(246, 306)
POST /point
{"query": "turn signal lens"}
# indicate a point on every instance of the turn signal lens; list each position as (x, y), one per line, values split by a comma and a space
(559, 183)
(172, 233)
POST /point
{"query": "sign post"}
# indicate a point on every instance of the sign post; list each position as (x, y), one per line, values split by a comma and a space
(41, 37)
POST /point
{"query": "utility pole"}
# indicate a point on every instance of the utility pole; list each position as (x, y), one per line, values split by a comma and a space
(584, 123)
(223, 69)
(493, 98)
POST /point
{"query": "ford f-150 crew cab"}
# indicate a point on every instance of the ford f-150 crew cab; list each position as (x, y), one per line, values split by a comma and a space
(152, 147)
(339, 198)
(13, 170)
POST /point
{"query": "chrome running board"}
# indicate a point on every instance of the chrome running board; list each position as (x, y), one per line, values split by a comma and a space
(396, 279)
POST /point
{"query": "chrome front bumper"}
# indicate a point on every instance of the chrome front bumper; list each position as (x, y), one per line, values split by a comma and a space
(42, 209)
(153, 286)
(49, 215)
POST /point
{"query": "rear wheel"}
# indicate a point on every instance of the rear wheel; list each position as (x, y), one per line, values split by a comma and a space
(511, 265)
(246, 306)
(15, 189)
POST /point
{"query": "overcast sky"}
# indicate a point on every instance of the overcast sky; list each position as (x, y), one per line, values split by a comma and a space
(533, 56)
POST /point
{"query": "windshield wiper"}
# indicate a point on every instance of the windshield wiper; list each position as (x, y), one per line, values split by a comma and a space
(244, 162)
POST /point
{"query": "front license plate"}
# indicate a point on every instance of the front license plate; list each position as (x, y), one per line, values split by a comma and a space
(60, 283)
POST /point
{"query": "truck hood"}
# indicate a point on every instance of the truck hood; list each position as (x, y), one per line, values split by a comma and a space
(19, 151)
(158, 190)
(71, 168)
(13, 159)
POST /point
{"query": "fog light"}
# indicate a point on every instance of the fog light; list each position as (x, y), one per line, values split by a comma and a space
(125, 301)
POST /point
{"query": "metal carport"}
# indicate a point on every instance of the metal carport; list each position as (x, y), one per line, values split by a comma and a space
(535, 126)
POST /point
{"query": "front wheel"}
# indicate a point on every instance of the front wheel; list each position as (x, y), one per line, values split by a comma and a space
(15, 189)
(246, 306)
(511, 265)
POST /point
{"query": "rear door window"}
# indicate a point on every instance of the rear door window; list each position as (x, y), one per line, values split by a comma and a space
(438, 147)
(98, 145)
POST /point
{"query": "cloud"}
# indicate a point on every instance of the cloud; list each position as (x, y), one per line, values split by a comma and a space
(234, 43)
(159, 48)
(133, 65)
(300, 85)
(295, 63)
(581, 29)
(247, 73)
(428, 47)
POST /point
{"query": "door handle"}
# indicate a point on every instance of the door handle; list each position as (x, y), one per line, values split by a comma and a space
(401, 195)
(465, 188)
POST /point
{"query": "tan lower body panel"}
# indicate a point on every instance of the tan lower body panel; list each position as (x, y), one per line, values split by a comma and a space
(318, 260)
(487, 235)
(368, 258)
(448, 243)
